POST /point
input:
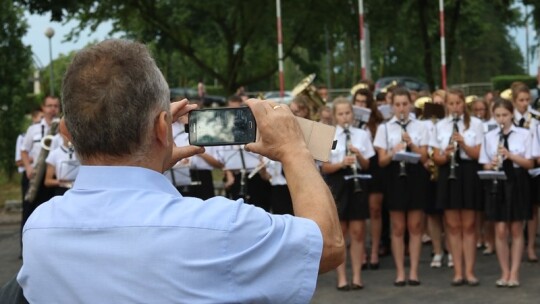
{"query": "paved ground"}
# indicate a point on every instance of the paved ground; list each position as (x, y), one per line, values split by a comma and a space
(435, 286)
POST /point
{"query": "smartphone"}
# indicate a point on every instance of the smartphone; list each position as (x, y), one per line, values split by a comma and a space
(221, 126)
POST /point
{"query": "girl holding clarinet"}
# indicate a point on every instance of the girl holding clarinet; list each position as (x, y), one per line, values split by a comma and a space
(351, 155)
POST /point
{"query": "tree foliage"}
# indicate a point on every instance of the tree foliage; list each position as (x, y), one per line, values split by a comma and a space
(15, 61)
(234, 41)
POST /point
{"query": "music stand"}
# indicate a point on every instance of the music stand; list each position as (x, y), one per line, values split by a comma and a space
(180, 176)
(361, 114)
(408, 157)
(491, 175)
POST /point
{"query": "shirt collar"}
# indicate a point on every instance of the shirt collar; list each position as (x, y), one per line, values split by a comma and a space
(122, 177)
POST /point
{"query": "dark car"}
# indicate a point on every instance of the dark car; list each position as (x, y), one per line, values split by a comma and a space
(411, 83)
(189, 93)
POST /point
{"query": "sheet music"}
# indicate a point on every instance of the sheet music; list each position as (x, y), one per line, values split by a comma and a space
(534, 172)
(361, 114)
(408, 157)
(491, 174)
(386, 111)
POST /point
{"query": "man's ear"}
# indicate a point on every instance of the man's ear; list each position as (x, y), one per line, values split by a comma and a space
(64, 130)
(161, 128)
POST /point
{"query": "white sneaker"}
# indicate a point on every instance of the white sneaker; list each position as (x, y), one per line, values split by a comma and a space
(436, 262)
(450, 261)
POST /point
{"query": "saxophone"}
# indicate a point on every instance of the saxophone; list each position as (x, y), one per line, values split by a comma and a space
(41, 166)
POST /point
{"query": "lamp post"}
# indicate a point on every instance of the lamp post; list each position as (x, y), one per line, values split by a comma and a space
(49, 32)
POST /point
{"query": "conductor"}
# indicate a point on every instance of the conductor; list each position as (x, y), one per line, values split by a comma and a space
(123, 233)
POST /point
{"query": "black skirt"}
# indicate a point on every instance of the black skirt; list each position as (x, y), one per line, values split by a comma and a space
(535, 190)
(281, 200)
(351, 205)
(376, 183)
(405, 193)
(205, 189)
(464, 192)
(431, 206)
(509, 200)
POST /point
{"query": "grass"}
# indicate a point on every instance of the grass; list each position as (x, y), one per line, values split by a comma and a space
(9, 189)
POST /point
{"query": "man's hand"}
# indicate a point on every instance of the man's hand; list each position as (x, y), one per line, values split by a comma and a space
(280, 135)
(178, 109)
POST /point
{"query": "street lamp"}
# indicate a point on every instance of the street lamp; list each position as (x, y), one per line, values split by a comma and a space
(49, 32)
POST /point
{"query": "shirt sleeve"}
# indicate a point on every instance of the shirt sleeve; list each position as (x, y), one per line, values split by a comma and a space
(52, 158)
(484, 158)
(380, 138)
(18, 146)
(366, 146)
(479, 133)
(274, 258)
(28, 140)
(433, 139)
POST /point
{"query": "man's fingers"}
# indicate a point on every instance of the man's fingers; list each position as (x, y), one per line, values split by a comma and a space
(181, 108)
(179, 153)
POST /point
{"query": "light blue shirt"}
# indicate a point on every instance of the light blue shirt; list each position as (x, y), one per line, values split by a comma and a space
(125, 235)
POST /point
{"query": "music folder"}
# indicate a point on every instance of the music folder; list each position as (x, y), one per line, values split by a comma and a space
(433, 110)
(361, 114)
(319, 138)
(408, 157)
(491, 175)
(386, 111)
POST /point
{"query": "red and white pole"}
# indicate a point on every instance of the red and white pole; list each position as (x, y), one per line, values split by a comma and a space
(443, 45)
(362, 38)
(280, 50)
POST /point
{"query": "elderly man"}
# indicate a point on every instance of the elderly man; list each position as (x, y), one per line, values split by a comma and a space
(124, 234)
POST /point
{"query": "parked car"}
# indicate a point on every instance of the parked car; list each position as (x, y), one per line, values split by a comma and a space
(411, 83)
(274, 95)
(189, 93)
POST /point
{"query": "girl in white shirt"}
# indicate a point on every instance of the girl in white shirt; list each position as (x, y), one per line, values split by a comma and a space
(353, 150)
(508, 149)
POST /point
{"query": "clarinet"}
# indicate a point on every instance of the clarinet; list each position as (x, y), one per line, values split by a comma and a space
(354, 166)
(499, 159)
(453, 163)
(402, 165)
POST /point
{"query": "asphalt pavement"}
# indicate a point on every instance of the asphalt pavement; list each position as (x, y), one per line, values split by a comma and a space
(435, 287)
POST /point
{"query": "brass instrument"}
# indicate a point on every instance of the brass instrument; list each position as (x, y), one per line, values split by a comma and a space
(306, 88)
(41, 166)
(453, 162)
(359, 86)
(354, 166)
(402, 165)
(499, 159)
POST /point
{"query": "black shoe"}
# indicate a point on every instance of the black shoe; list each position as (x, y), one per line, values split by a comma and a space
(374, 266)
(473, 283)
(356, 286)
(400, 283)
(413, 283)
(458, 282)
(344, 288)
(364, 266)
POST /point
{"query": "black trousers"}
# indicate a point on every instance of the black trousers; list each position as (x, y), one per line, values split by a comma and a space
(258, 191)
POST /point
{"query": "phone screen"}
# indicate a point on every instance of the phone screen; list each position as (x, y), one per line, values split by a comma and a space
(221, 126)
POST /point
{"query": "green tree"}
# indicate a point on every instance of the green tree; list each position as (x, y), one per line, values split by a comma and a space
(15, 61)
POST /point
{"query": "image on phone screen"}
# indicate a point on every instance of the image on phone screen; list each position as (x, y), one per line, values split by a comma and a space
(225, 126)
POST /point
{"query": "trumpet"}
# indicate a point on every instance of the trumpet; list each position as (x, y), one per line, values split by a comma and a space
(354, 167)
(402, 165)
(499, 160)
(453, 162)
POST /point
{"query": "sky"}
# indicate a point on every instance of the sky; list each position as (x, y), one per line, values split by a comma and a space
(36, 38)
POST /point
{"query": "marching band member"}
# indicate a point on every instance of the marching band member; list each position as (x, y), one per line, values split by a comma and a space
(201, 173)
(62, 167)
(178, 173)
(364, 98)
(280, 196)
(406, 193)
(455, 150)
(352, 152)
(524, 118)
(507, 202)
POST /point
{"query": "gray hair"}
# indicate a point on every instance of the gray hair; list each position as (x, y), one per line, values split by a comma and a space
(111, 93)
